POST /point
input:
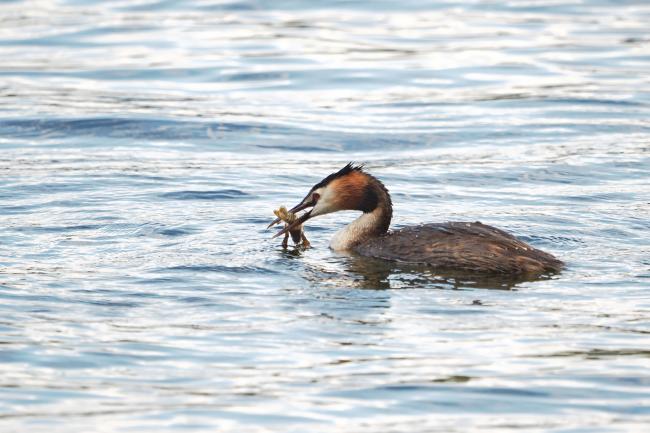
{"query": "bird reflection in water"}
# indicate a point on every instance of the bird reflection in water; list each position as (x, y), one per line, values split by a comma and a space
(360, 272)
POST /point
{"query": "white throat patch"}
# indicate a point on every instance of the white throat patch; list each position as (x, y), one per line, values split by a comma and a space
(356, 232)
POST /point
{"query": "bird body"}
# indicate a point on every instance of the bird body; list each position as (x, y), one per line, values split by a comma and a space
(460, 246)
(452, 246)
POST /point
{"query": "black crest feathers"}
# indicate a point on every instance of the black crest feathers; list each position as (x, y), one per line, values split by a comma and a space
(349, 168)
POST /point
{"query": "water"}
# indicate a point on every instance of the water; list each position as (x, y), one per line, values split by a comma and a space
(145, 144)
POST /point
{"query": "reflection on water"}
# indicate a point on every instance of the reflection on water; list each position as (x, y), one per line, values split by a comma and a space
(375, 274)
(145, 143)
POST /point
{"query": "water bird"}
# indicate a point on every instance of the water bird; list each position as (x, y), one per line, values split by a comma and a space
(450, 246)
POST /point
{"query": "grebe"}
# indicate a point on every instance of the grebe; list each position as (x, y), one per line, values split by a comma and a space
(451, 246)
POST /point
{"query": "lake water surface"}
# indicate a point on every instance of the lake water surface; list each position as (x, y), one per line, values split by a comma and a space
(144, 145)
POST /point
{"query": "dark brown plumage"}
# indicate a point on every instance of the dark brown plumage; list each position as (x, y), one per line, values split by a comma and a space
(465, 246)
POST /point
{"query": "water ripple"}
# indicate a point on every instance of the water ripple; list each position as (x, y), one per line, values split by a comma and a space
(145, 144)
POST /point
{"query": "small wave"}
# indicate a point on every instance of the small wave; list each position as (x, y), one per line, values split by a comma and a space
(222, 194)
(221, 269)
(133, 128)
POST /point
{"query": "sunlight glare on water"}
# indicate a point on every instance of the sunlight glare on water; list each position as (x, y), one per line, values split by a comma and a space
(144, 145)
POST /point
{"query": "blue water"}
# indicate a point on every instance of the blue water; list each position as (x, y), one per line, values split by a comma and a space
(144, 145)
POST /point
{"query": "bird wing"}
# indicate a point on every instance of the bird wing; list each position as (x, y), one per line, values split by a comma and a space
(470, 246)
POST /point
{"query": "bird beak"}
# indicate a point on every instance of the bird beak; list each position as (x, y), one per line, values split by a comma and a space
(307, 202)
(294, 224)
(303, 205)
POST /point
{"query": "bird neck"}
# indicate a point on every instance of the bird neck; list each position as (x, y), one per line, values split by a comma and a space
(369, 225)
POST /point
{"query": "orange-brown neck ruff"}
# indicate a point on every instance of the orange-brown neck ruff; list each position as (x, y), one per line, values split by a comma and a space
(351, 191)
(361, 191)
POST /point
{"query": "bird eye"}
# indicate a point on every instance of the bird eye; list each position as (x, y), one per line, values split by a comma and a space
(314, 197)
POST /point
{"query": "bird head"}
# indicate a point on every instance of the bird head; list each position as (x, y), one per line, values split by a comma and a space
(350, 188)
